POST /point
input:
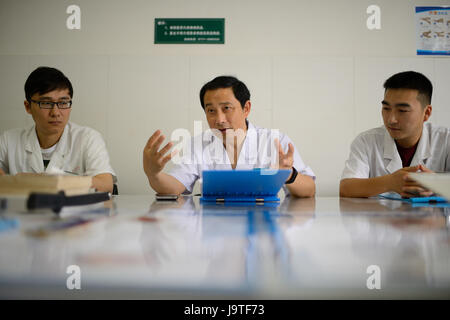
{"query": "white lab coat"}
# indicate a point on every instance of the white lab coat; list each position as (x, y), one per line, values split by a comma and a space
(80, 150)
(373, 153)
(209, 154)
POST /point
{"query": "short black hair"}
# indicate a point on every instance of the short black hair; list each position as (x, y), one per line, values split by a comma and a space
(240, 90)
(46, 79)
(412, 80)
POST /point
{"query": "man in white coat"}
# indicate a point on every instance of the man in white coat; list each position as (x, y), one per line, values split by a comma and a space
(235, 144)
(381, 158)
(53, 144)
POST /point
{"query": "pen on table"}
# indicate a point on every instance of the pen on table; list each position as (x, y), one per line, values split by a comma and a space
(90, 210)
(69, 221)
(59, 225)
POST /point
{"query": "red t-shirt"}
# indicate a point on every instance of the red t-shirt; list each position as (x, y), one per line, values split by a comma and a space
(406, 154)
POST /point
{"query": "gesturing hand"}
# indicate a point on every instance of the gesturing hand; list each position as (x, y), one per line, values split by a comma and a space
(154, 160)
(285, 160)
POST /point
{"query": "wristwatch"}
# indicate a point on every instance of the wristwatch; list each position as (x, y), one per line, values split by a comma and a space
(293, 176)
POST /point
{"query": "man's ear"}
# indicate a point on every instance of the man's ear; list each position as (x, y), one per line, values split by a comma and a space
(247, 108)
(427, 112)
(27, 106)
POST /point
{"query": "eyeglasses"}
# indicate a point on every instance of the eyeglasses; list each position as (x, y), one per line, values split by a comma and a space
(51, 104)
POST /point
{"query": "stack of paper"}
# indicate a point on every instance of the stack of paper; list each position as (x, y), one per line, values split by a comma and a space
(436, 182)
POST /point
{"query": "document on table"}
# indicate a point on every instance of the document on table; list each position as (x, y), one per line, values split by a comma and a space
(436, 182)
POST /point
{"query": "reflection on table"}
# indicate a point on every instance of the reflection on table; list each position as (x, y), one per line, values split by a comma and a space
(137, 247)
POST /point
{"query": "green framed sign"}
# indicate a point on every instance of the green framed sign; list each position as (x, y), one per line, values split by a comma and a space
(190, 31)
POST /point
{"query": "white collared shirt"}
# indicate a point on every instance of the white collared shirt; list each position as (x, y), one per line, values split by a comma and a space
(80, 150)
(374, 153)
(210, 154)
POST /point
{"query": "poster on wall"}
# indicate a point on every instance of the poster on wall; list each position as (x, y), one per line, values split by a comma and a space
(433, 30)
(189, 31)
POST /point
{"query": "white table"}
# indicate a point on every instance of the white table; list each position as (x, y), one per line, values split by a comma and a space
(323, 248)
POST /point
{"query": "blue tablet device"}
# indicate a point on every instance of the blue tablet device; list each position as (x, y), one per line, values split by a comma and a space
(257, 185)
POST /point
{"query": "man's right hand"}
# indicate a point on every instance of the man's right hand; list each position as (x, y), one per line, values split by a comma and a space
(2, 173)
(154, 160)
(405, 186)
(154, 163)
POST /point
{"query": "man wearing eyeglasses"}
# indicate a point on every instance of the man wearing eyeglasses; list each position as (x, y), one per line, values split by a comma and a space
(53, 143)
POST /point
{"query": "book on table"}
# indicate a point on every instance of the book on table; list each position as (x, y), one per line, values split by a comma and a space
(24, 184)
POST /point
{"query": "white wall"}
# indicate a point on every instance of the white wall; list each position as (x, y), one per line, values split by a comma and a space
(313, 68)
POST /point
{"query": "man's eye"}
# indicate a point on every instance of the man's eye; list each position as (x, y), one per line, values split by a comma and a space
(46, 104)
(403, 110)
(386, 109)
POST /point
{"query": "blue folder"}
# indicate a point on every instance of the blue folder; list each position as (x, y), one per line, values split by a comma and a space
(257, 185)
(434, 199)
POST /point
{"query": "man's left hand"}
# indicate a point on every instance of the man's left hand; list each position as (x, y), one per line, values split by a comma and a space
(285, 160)
(412, 188)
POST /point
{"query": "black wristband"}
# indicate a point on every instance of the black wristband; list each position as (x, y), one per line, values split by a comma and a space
(293, 176)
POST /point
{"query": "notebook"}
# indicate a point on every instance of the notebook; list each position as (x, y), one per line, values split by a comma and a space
(257, 185)
(436, 182)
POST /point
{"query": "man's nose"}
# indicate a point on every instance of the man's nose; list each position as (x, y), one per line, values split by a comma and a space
(55, 110)
(221, 117)
(392, 118)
